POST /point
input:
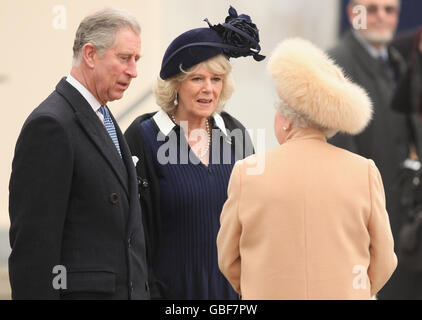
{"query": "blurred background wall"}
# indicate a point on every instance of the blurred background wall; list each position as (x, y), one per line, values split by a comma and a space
(37, 45)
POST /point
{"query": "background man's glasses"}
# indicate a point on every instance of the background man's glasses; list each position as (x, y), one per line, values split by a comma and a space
(373, 9)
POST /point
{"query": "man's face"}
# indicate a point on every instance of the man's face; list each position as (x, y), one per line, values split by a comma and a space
(382, 20)
(115, 68)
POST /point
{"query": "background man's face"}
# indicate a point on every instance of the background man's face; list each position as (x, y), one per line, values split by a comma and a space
(382, 20)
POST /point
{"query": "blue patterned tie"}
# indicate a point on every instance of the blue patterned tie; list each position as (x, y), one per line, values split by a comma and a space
(108, 122)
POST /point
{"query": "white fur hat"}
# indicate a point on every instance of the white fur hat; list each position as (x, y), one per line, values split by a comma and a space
(309, 82)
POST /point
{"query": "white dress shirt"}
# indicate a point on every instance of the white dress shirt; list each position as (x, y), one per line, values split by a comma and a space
(375, 53)
(93, 102)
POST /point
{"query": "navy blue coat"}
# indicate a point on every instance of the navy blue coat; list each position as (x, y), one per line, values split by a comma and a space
(150, 190)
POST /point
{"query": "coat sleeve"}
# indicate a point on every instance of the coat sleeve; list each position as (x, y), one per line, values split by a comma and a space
(383, 260)
(39, 190)
(229, 260)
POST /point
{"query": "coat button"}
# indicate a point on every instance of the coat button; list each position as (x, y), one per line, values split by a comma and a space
(114, 198)
(131, 286)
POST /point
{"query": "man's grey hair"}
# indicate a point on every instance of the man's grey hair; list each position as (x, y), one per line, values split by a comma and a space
(100, 29)
(299, 120)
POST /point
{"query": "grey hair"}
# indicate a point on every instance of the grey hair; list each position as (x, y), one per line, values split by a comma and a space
(299, 120)
(100, 29)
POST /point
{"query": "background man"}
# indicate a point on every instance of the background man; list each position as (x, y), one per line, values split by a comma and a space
(73, 189)
(408, 100)
(367, 58)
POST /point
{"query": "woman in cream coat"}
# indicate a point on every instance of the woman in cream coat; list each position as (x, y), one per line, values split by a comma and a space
(313, 225)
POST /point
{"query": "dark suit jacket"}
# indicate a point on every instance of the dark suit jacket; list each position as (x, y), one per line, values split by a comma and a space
(405, 42)
(408, 96)
(74, 202)
(386, 139)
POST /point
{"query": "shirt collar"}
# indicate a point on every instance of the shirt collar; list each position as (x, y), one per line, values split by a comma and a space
(166, 125)
(376, 54)
(93, 102)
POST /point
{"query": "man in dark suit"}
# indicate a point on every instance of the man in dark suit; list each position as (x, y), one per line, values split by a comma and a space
(408, 100)
(76, 226)
(408, 95)
(367, 58)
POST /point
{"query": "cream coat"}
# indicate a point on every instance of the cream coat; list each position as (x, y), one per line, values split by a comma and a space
(313, 225)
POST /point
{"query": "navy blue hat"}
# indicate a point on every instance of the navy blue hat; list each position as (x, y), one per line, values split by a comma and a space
(237, 37)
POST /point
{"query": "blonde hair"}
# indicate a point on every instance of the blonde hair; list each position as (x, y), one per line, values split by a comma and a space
(165, 90)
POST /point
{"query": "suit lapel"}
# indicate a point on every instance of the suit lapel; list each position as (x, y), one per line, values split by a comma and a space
(95, 130)
(132, 178)
(397, 61)
(373, 68)
(370, 65)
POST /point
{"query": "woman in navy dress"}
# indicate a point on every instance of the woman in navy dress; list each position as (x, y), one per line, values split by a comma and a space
(185, 153)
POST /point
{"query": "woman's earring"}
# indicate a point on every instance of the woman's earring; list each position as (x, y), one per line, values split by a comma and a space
(284, 128)
(176, 99)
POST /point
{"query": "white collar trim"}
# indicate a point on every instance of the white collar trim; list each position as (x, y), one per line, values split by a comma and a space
(163, 121)
(165, 124)
(220, 123)
(84, 92)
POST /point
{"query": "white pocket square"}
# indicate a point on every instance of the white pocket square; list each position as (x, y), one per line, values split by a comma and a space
(135, 160)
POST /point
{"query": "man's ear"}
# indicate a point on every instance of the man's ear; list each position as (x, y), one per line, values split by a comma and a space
(89, 53)
(350, 13)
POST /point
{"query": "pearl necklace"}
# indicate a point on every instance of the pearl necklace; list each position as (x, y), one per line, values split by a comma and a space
(207, 126)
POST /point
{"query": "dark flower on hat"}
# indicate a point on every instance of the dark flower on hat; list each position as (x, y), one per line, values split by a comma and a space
(241, 34)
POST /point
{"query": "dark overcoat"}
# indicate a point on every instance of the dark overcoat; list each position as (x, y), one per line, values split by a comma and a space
(74, 203)
(386, 139)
